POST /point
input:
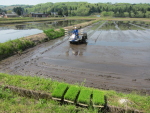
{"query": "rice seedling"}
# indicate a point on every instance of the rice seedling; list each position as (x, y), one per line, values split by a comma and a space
(60, 90)
(85, 96)
(98, 98)
(72, 93)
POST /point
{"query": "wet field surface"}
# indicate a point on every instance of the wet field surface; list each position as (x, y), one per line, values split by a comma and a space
(14, 31)
(116, 57)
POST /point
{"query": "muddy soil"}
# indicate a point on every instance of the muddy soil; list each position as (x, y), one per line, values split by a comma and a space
(113, 59)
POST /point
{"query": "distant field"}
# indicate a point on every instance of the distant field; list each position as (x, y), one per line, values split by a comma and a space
(28, 19)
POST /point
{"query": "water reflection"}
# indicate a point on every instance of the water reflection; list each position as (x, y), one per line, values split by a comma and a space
(76, 50)
(125, 25)
(14, 31)
(42, 25)
(142, 24)
(20, 27)
(108, 26)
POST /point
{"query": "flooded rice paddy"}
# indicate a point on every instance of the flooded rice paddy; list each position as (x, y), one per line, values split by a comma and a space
(14, 31)
(116, 57)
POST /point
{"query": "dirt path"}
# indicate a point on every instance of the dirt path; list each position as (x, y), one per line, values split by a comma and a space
(112, 59)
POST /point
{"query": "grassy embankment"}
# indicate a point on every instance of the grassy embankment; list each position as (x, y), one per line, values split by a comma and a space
(32, 19)
(25, 19)
(18, 45)
(12, 102)
(14, 46)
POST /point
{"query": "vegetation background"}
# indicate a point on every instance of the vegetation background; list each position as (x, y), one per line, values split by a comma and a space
(84, 9)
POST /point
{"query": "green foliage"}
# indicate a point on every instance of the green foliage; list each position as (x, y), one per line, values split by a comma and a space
(52, 34)
(60, 90)
(13, 103)
(5, 94)
(28, 82)
(72, 93)
(110, 13)
(18, 10)
(98, 97)
(86, 9)
(137, 101)
(14, 46)
(85, 96)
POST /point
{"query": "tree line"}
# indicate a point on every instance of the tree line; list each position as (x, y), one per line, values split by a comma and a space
(86, 9)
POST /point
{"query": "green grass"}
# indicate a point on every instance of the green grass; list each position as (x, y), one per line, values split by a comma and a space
(12, 103)
(84, 96)
(98, 97)
(24, 19)
(140, 102)
(28, 82)
(52, 34)
(60, 90)
(72, 93)
(14, 46)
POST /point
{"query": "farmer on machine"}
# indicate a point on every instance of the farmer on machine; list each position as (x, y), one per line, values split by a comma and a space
(75, 31)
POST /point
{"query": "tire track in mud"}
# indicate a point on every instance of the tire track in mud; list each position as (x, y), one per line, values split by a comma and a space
(90, 34)
(131, 34)
(72, 75)
(138, 26)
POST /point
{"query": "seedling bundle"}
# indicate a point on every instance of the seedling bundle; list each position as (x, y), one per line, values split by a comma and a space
(59, 92)
(72, 94)
(81, 96)
(84, 97)
(98, 98)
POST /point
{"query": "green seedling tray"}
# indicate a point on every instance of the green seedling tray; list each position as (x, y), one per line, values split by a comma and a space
(60, 90)
(84, 97)
(98, 98)
(72, 94)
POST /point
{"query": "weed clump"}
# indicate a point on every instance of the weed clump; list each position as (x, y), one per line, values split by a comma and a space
(52, 34)
(14, 46)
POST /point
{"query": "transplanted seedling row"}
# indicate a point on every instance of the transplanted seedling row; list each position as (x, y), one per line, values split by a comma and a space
(77, 95)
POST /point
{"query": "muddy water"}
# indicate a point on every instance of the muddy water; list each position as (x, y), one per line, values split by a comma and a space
(14, 31)
(115, 57)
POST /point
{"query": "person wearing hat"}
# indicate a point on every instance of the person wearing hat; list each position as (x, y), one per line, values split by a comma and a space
(75, 31)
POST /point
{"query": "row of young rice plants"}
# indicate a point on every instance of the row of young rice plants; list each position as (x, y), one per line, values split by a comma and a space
(53, 34)
(14, 46)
